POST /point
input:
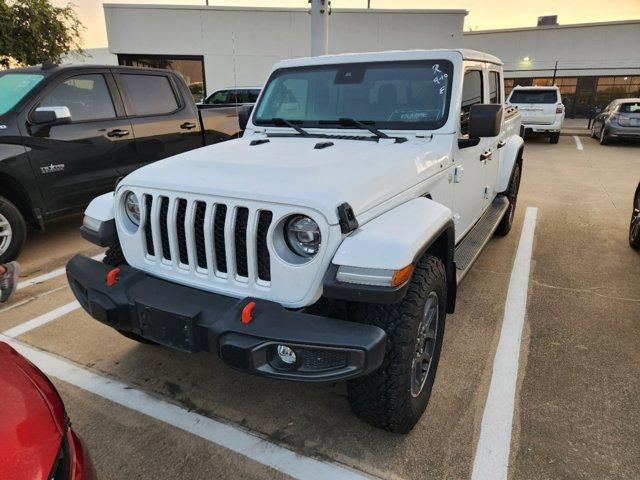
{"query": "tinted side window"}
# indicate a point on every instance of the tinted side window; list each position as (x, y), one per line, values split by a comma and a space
(247, 96)
(494, 87)
(150, 94)
(86, 96)
(471, 95)
(221, 97)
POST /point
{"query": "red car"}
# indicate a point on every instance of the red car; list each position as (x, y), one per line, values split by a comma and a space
(36, 439)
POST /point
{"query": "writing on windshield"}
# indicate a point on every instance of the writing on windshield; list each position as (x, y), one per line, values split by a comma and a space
(393, 95)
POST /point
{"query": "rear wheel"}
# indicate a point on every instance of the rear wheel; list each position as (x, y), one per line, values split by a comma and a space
(114, 257)
(512, 194)
(634, 227)
(554, 137)
(592, 134)
(395, 396)
(13, 231)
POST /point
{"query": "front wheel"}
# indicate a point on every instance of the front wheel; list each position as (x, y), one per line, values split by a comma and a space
(604, 137)
(395, 396)
(13, 231)
(634, 227)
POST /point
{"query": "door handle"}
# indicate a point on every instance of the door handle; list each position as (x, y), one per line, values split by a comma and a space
(118, 133)
(486, 155)
(187, 126)
(501, 143)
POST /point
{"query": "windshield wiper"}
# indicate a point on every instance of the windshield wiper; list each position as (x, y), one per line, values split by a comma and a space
(279, 122)
(352, 122)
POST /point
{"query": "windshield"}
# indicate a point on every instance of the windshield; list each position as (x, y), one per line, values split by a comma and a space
(394, 95)
(14, 86)
(534, 96)
(629, 108)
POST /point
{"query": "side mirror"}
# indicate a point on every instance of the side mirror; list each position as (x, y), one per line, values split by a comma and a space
(51, 115)
(243, 116)
(485, 120)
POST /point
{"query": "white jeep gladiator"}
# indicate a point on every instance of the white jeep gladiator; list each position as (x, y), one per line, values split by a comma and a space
(326, 243)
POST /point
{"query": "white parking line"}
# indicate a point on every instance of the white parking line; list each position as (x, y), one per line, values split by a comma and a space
(578, 142)
(492, 452)
(48, 276)
(228, 436)
(41, 320)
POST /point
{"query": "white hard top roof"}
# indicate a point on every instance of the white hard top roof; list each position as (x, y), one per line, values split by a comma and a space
(390, 56)
(536, 87)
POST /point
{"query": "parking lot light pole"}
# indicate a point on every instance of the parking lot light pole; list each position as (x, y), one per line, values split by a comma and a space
(320, 11)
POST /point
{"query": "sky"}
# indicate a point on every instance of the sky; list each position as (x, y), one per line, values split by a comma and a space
(483, 14)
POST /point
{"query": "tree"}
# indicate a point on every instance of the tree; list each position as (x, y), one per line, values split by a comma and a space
(35, 31)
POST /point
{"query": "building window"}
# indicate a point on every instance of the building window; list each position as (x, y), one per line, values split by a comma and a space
(610, 88)
(190, 67)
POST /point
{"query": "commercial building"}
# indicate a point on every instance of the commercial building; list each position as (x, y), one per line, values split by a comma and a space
(215, 47)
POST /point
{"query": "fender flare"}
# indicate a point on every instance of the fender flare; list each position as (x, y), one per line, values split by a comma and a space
(99, 225)
(511, 153)
(101, 208)
(392, 241)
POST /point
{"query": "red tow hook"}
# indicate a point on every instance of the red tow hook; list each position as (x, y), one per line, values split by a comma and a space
(112, 277)
(247, 313)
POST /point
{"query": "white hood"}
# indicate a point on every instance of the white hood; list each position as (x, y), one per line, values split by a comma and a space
(289, 170)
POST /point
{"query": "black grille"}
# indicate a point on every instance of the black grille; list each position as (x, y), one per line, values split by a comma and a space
(218, 237)
(242, 215)
(316, 359)
(164, 232)
(264, 261)
(180, 231)
(148, 236)
(198, 228)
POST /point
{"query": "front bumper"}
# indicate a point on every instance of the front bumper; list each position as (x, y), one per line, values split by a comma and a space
(193, 320)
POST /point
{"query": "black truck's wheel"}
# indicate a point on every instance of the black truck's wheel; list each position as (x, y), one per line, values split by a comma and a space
(512, 194)
(395, 396)
(114, 257)
(634, 227)
(13, 231)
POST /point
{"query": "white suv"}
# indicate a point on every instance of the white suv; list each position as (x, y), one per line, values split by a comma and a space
(541, 110)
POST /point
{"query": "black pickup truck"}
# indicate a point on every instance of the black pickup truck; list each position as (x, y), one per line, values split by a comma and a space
(67, 133)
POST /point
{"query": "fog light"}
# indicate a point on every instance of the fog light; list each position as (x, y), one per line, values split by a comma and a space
(286, 355)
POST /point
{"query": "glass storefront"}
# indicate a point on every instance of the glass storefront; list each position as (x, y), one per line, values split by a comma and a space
(191, 68)
(581, 95)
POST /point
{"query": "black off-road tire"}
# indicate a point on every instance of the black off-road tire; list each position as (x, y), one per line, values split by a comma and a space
(384, 398)
(512, 194)
(634, 227)
(115, 258)
(554, 137)
(18, 227)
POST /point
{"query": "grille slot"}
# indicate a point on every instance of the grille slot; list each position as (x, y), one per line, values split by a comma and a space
(180, 231)
(242, 217)
(198, 227)
(224, 242)
(264, 260)
(148, 235)
(164, 230)
(218, 238)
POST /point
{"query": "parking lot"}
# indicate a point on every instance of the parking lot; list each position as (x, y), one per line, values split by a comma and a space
(151, 412)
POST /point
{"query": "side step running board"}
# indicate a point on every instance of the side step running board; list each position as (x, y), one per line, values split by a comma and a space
(469, 248)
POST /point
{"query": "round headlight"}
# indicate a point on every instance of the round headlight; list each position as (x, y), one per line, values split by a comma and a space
(132, 208)
(302, 235)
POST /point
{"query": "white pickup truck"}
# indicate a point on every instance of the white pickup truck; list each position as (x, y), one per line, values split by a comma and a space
(327, 243)
(541, 110)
